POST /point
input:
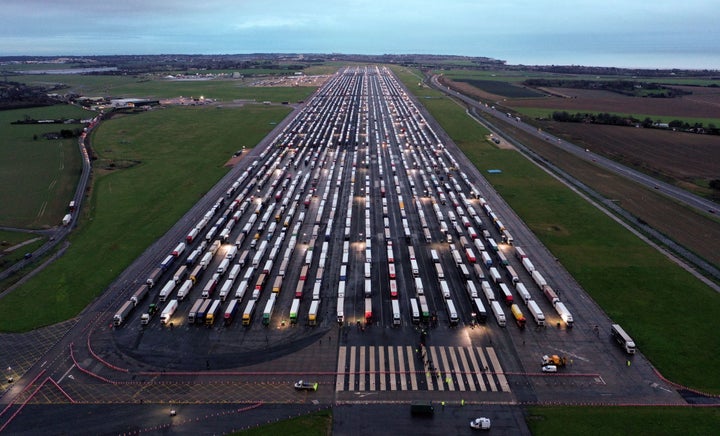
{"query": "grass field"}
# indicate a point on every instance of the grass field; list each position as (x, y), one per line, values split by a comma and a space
(11, 239)
(313, 424)
(37, 176)
(141, 87)
(636, 285)
(181, 152)
(505, 89)
(603, 421)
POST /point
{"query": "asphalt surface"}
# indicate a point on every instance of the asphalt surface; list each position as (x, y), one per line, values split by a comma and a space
(360, 135)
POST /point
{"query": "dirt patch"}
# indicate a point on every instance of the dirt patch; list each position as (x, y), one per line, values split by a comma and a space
(673, 155)
(700, 104)
(235, 159)
(499, 142)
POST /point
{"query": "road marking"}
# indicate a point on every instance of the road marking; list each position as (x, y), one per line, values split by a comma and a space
(43, 364)
(371, 369)
(459, 375)
(477, 370)
(490, 380)
(351, 383)
(436, 363)
(401, 365)
(381, 357)
(411, 364)
(498, 370)
(391, 359)
(573, 355)
(66, 373)
(340, 377)
(361, 369)
(447, 371)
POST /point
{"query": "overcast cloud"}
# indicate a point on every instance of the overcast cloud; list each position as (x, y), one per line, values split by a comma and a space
(666, 33)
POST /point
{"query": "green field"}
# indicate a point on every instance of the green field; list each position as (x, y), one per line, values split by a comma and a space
(313, 424)
(637, 286)
(603, 421)
(9, 240)
(37, 176)
(543, 113)
(181, 154)
(225, 90)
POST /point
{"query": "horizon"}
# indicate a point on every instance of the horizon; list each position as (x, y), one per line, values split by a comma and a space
(669, 34)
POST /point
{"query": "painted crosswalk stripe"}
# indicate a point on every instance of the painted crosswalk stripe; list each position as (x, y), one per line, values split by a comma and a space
(401, 364)
(447, 371)
(411, 367)
(361, 369)
(436, 363)
(383, 368)
(458, 368)
(466, 369)
(340, 379)
(504, 386)
(371, 369)
(351, 382)
(477, 370)
(486, 370)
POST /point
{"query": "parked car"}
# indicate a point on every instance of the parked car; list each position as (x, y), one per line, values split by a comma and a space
(480, 424)
(306, 386)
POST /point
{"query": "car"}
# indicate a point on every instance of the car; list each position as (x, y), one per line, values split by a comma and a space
(549, 368)
(480, 423)
(301, 385)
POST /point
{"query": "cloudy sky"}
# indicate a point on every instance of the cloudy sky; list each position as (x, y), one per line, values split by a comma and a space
(662, 33)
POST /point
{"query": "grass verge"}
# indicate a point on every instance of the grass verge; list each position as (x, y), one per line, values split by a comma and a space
(313, 424)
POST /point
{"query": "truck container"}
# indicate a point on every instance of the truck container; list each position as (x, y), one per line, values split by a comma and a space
(66, 219)
(210, 286)
(206, 259)
(487, 290)
(234, 272)
(367, 270)
(269, 308)
(184, 289)
(316, 290)
(523, 292)
(193, 257)
(368, 311)
(550, 294)
(470, 255)
(248, 313)
(268, 266)
(226, 288)
(340, 310)
(535, 312)
(564, 313)
(434, 255)
(415, 311)
(192, 235)
(303, 272)
(230, 312)
(518, 315)
(196, 273)
(294, 309)
(396, 312)
(343, 272)
(501, 257)
(622, 338)
(479, 310)
(457, 257)
(495, 275)
(538, 279)
(277, 284)
(223, 266)
(493, 245)
(439, 271)
(486, 259)
(479, 271)
(498, 312)
(471, 289)
(231, 252)
(507, 237)
(528, 265)
(240, 290)
(414, 267)
(451, 311)
(520, 253)
(165, 264)
(192, 315)
(299, 288)
(212, 314)
(180, 274)
(139, 294)
(424, 309)
(506, 294)
(178, 250)
(445, 289)
(243, 258)
(168, 312)
(512, 275)
(393, 288)
(122, 314)
(167, 290)
(313, 312)
(214, 247)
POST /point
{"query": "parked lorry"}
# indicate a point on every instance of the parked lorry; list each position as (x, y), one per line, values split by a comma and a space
(168, 312)
(230, 312)
(153, 277)
(192, 315)
(213, 312)
(139, 294)
(536, 313)
(122, 314)
(518, 315)
(147, 316)
(622, 338)
(498, 312)
(564, 313)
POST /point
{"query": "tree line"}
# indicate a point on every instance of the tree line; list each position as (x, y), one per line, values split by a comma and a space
(629, 120)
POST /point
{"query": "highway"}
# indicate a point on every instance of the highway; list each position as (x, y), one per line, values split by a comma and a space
(700, 204)
(324, 238)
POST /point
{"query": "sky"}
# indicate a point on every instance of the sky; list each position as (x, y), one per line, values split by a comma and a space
(643, 34)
